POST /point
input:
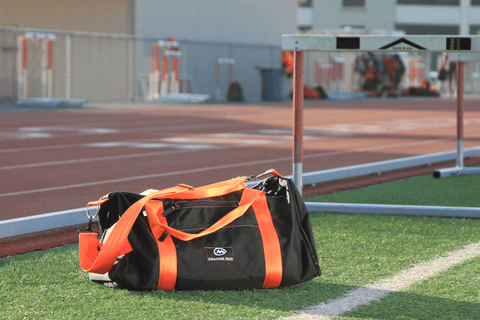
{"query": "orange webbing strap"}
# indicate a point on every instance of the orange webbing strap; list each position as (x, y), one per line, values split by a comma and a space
(97, 202)
(117, 240)
(100, 262)
(213, 190)
(224, 221)
(167, 253)
(271, 244)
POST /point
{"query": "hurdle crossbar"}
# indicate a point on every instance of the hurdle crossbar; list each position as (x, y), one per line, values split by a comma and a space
(364, 43)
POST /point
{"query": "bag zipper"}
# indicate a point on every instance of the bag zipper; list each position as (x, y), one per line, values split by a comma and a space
(205, 203)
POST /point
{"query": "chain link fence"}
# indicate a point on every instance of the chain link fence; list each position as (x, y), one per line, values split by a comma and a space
(96, 66)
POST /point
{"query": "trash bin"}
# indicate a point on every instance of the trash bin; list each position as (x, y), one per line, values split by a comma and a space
(271, 84)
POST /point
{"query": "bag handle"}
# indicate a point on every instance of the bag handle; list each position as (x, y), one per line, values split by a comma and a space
(118, 239)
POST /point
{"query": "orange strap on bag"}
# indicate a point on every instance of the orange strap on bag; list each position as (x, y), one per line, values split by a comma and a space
(117, 243)
(250, 198)
(117, 240)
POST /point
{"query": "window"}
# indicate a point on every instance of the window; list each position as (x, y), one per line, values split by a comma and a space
(475, 2)
(353, 3)
(305, 3)
(475, 29)
(431, 2)
(422, 29)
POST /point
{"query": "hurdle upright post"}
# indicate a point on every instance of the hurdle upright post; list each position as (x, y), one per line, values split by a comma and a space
(47, 76)
(298, 60)
(460, 84)
(22, 60)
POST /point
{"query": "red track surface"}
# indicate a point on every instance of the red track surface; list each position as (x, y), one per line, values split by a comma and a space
(55, 160)
(48, 162)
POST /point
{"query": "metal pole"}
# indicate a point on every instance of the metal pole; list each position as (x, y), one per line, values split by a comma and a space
(184, 69)
(460, 76)
(298, 57)
(68, 67)
(131, 69)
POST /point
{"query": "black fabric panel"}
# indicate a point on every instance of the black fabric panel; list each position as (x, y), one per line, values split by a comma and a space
(246, 271)
(197, 216)
(138, 270)
(115, 207)
(292, 224)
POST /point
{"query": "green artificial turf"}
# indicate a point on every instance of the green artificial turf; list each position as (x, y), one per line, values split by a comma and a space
(453, 294)
(460, 191)
(354, 250)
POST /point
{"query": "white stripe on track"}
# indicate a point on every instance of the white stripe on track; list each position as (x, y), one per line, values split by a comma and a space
(236, 165)
(158, 175)
(378, 290)
(73, 161)
(158, 153)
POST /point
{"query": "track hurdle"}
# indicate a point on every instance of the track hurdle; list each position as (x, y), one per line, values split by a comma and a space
(228, 61)
(47, 75)
(22, 63)
(370, 43)
(167, 79)
(459, 169)
(323, 73)
(47, 62)
(338, 70)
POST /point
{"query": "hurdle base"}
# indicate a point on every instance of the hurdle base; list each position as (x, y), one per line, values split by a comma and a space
(182, 97)
(454, 172)
(406, 210)
(50, 103)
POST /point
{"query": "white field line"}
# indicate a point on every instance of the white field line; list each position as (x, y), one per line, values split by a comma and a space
(378, 290)
(219, 167)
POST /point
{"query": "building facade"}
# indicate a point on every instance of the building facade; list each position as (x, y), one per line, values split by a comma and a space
(99, 65)
(460, 17)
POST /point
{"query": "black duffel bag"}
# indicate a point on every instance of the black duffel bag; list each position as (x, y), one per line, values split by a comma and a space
(223, 236)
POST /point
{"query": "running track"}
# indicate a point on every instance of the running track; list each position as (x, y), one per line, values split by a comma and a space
(53, 160)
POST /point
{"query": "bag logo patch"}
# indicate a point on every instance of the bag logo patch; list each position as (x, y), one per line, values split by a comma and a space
(219, 251)
(219, 254)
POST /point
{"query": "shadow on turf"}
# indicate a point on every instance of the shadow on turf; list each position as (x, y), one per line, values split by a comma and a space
(400, 305)
(290, 298)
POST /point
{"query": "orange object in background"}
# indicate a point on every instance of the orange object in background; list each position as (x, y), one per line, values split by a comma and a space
(287, 62)
(310, 93)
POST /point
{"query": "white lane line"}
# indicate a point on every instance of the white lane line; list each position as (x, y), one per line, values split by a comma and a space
(74, 161)
(194, 147)
(149, 145)
(379, 289)
(390, 126)
(258, 136)
(219, 140)
(151, 176)
(237, 165)
(84, 130)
